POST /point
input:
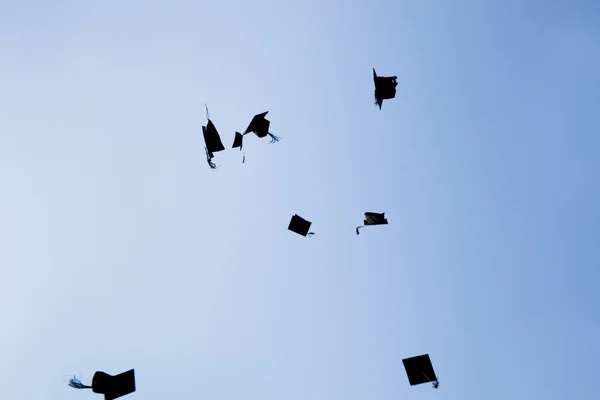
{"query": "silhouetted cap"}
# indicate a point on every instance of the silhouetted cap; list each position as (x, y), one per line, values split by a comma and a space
(375, 219)
(385, 88)
(372, 218)
(238, 141)
(212, 140)
(300, 226)
(420, 370)
(260, 126)
(111, 387)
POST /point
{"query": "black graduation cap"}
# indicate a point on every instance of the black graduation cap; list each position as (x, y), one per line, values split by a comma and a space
(111, 387)
(238, 141)
(385, 88)
(212, 140)
(260, 126)
(372, 218)
(420, 370)
(300, 226)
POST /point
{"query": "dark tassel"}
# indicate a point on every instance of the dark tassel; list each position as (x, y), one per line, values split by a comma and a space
(310, 233)
(242, 148)
(76, 383)
(357, 228)
(435, 384)
(274, 138)
(378, 102)
(211, 164)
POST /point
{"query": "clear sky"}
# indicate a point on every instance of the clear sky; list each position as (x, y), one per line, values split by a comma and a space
(120, 248)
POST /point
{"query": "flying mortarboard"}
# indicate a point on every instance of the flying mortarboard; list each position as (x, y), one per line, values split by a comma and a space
(385, 88)
(212, 140)
(420, 370)
(372, 218)
(111, 387)
(300, 226)
(260, 126)
(238, 141)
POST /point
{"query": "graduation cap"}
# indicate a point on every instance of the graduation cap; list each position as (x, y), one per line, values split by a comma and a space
(111, 387)
(212, 140)
(300, 226)
(385, 88)
(259, 126)
(420, 370)
(238, 141)
(372, 218)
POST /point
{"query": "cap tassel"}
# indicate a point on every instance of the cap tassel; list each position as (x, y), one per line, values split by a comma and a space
(274, 139)
(211, 164)
(310, 233)
(436, 384)
(207, 116)
(76, 383)
(357, 228)
(242, 148)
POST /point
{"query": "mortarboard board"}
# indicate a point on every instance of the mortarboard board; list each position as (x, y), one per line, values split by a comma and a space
(372, 218)
(212, 140)
(385, 88)
(420, 370)
(112, 387)
(300, 226)
(375, 218)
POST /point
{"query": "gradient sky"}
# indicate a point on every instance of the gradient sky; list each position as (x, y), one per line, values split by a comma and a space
(120, 248)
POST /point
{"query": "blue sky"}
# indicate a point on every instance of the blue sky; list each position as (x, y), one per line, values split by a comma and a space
(120, 248)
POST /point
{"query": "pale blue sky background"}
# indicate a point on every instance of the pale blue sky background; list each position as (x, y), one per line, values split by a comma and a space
(120, 248)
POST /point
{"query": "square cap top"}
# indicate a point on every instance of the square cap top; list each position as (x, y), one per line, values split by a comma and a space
(384, 82)
(419, 370)
(385, 88)
(113, 387)
(259, 125)
(299, 225)
(372, 218)
(212, 138)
